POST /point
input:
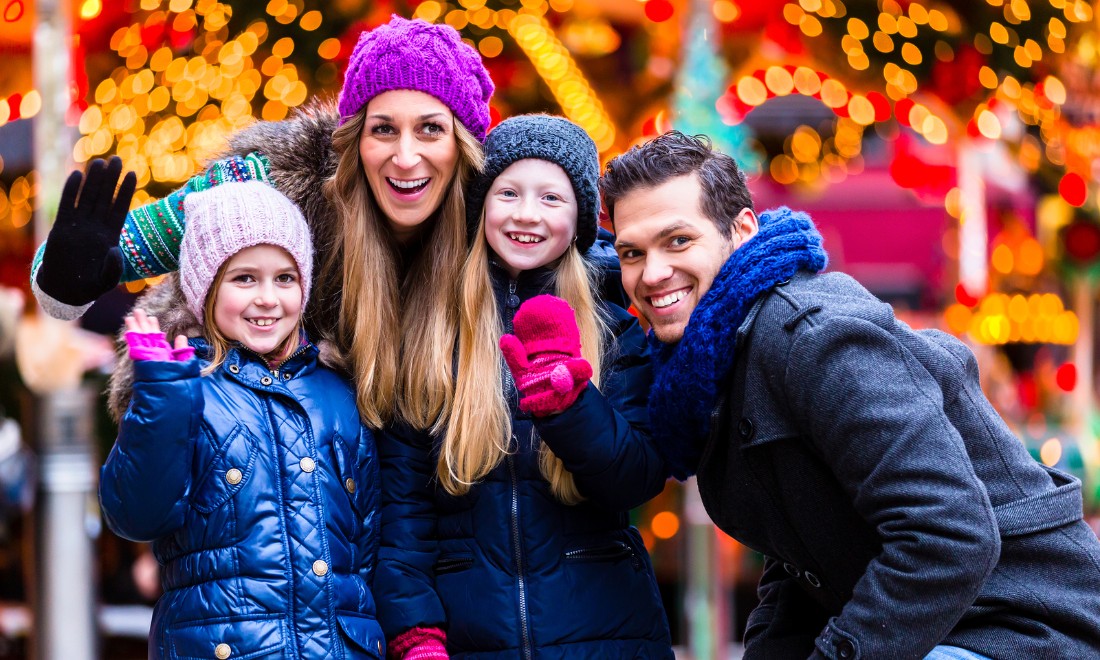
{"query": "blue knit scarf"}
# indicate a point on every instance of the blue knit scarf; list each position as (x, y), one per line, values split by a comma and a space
(688, 375)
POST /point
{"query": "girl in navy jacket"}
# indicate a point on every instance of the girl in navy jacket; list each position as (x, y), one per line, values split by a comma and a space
(242, 458)
(505, 530)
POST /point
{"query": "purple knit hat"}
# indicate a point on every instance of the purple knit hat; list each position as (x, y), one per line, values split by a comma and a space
(421, 56)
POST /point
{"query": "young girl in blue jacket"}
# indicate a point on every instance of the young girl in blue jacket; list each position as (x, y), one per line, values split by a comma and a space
(246, 463)
(505, 531)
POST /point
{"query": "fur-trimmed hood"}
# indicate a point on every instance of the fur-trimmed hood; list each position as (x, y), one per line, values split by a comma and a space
(299, 150)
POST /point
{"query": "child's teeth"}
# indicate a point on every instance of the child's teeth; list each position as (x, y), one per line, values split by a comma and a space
(525, 238)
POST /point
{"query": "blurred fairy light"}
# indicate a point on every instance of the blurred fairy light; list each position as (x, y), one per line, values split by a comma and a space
(221, 83)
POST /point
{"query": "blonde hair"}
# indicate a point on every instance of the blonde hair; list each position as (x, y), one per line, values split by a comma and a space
(479, 427)
(216, 340)
(399, 354)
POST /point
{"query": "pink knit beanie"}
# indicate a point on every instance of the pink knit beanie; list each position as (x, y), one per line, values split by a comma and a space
(421, 56)
(230, 217)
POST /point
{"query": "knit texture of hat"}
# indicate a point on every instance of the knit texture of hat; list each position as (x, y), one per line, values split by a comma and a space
(549, 138)
(421, 56)
(228, 218)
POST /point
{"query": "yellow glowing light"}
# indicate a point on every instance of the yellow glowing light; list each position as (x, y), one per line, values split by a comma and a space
(751, 90)
(805, 144)
(1029, 257)
(887, 23)
(833, 93)
(784, 169)
(987, 77)
(810, 5)
(1022, 57)
(665, 525)
(906, 27)
(1020, 10)
(283, 48)
(861, 110)
(918, 13)
(883, 43)
(988, 125)
(810, 26)
(793, 14)
(1057, 28)
(937, 20)
(329, 48)
(177, 6)
(491, 46)
(779, 80)
(89, 9)
(858, 60)
(1054, 90)
(31, 104)
(1002, 259)
(1051, 452)
(310, 21)
(858, 28)
(725, 11)
(806, 81)
(457, 19)
(935, 130)
(998, 33)
(958, 318)
(911, 54)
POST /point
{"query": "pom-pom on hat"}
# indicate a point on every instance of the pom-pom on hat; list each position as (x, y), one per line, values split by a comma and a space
(549, 138)
(421, 56)
(228, 218)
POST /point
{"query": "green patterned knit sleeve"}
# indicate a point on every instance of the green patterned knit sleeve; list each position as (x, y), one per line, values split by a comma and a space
(151, 235)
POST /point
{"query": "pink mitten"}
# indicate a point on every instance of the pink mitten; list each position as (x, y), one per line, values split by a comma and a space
(183, 354)
(148, 346)
(419, 644)
(544, 355)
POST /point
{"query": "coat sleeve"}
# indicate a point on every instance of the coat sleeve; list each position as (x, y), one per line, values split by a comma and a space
(145, 482)
(876, 417)
(603, 438)
(370, 478)
(404, 584)
(151, 234)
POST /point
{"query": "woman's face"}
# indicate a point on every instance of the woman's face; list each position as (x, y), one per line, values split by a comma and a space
(409, 153)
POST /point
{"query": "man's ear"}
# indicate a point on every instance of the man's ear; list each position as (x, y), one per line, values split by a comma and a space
(747, 226)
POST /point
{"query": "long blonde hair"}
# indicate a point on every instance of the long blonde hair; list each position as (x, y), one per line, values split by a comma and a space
(396, 329)
(479, 427)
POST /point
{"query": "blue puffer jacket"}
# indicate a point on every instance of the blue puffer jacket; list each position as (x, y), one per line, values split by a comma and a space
(259, 490)
(508, 570)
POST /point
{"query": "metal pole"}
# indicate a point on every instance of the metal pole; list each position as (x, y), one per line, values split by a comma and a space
(1083, 402)
(63, 594)
(705, 604)
(53, 139)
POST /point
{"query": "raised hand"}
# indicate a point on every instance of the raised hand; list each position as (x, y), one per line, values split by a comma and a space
(146, 341)
(82, 260)
(544, 356)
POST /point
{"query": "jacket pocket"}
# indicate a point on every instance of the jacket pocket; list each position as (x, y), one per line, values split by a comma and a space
(363, 633)
(452, 563)
(228, 472)
(239, 639)
(349, 465)
(606, 551)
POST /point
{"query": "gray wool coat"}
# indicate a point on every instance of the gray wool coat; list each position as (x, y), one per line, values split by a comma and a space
(895, 508)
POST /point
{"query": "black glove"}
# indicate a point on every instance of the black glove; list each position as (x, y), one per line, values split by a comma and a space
(82, 261)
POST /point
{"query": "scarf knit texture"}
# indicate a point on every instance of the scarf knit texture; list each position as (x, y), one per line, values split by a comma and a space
(689, 375)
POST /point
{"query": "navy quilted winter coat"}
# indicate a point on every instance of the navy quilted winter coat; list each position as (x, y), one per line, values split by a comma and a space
(508, 570)
(259, 490)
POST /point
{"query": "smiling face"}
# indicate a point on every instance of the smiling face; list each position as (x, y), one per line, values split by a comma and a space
(409, 153)
(671, 252)
(259, 299)
(530, 215)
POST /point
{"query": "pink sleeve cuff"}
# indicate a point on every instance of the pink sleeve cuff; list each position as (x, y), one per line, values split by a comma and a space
(419, 644)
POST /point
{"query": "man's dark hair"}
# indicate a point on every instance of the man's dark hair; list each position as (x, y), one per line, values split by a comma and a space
(723, 190)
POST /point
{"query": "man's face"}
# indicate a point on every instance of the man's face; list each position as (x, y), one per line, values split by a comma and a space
(670, 252)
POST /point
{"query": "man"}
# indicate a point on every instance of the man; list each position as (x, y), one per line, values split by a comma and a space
(898, 515)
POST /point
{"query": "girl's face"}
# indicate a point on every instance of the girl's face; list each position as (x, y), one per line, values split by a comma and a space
(259, 299)
(530, 215)
(409, 153)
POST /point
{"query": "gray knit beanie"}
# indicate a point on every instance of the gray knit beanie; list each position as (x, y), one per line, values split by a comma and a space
(233, 216)
(549, 138)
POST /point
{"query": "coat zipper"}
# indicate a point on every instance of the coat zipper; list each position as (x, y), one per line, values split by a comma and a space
(520, 579)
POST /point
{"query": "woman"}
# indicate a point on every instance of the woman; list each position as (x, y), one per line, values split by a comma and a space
(379, 179)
